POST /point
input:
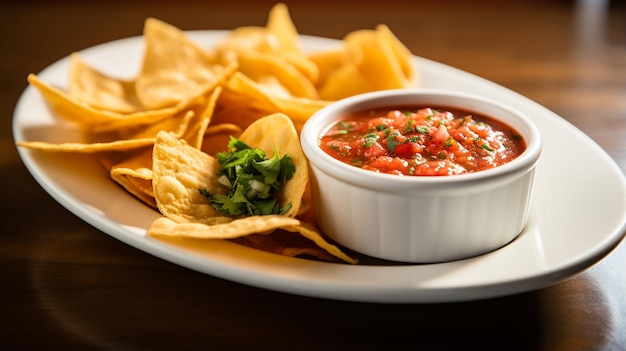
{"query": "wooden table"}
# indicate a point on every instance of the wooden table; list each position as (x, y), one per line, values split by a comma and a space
(66, 285)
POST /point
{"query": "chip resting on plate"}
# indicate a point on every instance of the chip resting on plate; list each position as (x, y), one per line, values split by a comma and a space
(183, 176)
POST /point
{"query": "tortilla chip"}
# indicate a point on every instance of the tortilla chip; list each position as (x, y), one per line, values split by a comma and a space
(314, 235)
(278, 131)
(73, 110)
(374, 60)
(275, 76)
(135, 175)
(280, 24)
(179, 172)
(228, 230)
(328, 61)
(100, 91)
(118, 145)
(195, 134)
(174, 68)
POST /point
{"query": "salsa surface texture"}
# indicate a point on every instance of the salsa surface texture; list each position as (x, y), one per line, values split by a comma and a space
(421, 141)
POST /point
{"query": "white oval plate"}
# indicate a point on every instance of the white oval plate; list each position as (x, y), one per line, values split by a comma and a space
(578, 214)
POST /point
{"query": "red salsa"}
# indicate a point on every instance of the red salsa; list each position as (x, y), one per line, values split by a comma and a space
(422, 141)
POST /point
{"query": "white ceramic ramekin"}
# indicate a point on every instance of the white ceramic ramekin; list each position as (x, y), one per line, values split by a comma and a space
(421, 219)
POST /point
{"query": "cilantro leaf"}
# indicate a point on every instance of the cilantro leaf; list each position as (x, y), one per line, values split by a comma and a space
(269, 168)
(254, 180)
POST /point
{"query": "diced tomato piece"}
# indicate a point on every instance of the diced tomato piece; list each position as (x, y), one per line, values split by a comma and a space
(438, 168)
(374, 151)
(407, 150)
(388, 164)
(441, 134)
(398, 119)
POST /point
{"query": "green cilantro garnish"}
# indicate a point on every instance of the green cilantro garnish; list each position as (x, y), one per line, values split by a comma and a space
(392, 142)
(344, 128)
(345, 125)
(357, 162)
(422, 130)
(483, 145)
(413, 139)
(486, 147)
(252, 179)
(409, 126)
(370, 139)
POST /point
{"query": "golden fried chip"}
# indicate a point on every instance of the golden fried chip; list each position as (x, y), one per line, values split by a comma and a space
(244, 101)
(179, 171)
(345, 81)
(240, 90)
(233, 229)
(253, 227)
(379, 62)
(126, 143)
(135, 175)
(402, 53)
(100, 121)
(135, 185)
(73, 110)
(286, 243)
(275, 76)
(89, 86)
(117, 145)
(246, 38)
(174, 68)
(277, 131)
(178, 124)
(374, 60)
(309, 232)
(229, 128)
(280, 24)
(195, 134)
(328, 61)
(271, 56)
(299, 109)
